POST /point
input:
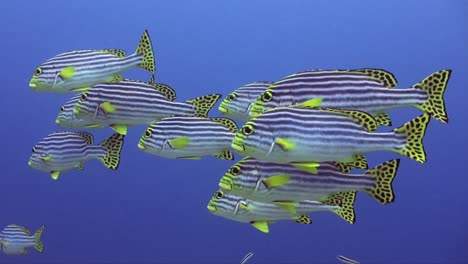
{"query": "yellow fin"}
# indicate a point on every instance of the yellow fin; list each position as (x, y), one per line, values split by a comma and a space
(310, 167)
(362, 118)
(311, 103)
(414, 132)
(67, 72)
(383, 76)
(383, 119)
(225, 155)
(46, 158)
(203, 104)
(89, 138)
(4, 243)
(38, 245)
(80, 166)
(190, 158)
(285, 144)
(345, 202)
(435, 86)
(304, 219)
(145, 48)
(113, 146)
(384, 175)
(117, 52)
(276, 181)
(289, 206)
(121, 129)
(261, 225)
(227, 123)
(245, 206)
(180, 142)
(81, 89)
(107, 107)
(55, 174)
(94, 126)
(114, 79)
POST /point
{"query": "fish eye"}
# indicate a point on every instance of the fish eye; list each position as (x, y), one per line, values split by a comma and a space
(148, 133)
(62, 109)
(235, 170)
(38, 71)
(247, 130)
(219, 194)
(267, 96)
(83, 96)
(231, 97)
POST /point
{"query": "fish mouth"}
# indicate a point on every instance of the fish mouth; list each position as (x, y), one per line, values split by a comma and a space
(222, 109)
(57, 121)
(30, 163)
(211, 208)
(238, 147)
(255, 113)
(141, 146)
(32, 84)
(226, 185)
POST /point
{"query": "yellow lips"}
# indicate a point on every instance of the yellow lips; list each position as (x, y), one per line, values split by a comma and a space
(32, 84)
(141, 146)
(237, 147)
(211, 208)
(225, 186)
(222, 109)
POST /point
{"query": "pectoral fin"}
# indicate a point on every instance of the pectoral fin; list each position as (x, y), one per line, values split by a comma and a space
(310, 167)
(121, 129)
(67, 72)
(107, 107)
(180, 142)
(285, 144)
(276, 181)
(289, 206)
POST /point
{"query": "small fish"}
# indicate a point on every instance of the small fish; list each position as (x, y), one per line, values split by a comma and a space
(237, 104)
(367, 90)
(76, 71)
(346, 260)
(131, 103)
(15, 239)
(265, 181)
(260, 214)
(66, 118)
(246, 258)
(306, 134)
(63, 151)
(188, 137)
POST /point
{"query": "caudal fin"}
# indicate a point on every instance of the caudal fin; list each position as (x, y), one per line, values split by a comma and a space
(413, 132)
(113, 146)
(145, 48)
(384, 175)
(203, 104)
(345, 201)
(39, 246)
(435, 85)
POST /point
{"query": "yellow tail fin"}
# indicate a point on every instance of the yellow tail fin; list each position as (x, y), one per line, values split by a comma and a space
(435, 85)
(345, 201)
(145, 48)
(39, 246)
(414, 132)
(113, 146)
(384, 175)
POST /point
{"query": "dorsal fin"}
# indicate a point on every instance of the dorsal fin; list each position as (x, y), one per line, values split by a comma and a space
(380, 75)
(364, 119)
(87, 136)
(226, 122)
(117, 52)
(165, 90)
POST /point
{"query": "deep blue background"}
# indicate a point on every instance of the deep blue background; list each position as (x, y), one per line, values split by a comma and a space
(154, 209)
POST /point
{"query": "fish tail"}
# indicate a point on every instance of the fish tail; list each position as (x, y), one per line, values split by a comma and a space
(145, 49)
(345, 201)
(203, 104)
(383, 119)
(113, 146)
(384, 175)
(39, 246)
(414, 132)
(435, 85)
(225, 155)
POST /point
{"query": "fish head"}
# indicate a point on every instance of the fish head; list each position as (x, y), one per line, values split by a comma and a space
(88, 105)
(228, 205)
(52, 75)
(66, 117)
(241, 178)
(153, 139)
(268, 100)
(40, 158)
(254, 138)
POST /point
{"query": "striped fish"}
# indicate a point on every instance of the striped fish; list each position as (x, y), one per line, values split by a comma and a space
(131, 103)
(346, 260)
(78, 70)
(259, 214)
(367, 90)
(64, 150)
(66, 118)
(188, 137)
(304, 135)
(237, 104)
(265, 181)
(16, 239)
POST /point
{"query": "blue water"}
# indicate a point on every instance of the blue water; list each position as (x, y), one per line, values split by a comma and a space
(153, 210)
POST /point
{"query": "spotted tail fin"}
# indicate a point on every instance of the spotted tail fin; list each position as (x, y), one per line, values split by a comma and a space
(39, 246)
(145, 49)
(414, 132)
(435, 85)
(384, 175)
(113, 146)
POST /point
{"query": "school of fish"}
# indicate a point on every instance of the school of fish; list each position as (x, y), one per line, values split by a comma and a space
(300, 139)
